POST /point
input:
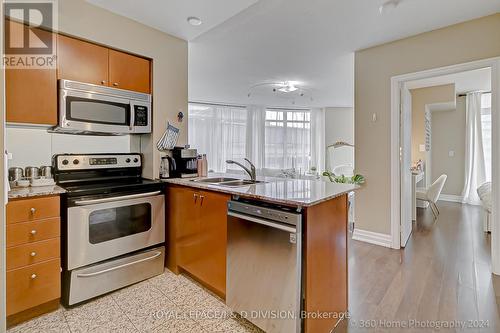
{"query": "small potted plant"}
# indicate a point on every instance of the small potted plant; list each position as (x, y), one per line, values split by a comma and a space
(356, 179)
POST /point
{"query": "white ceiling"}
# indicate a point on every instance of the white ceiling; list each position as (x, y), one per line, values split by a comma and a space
(309, 41)
(479, 79)
(170, 16)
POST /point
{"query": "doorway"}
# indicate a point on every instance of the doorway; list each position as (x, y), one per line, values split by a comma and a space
(401, 207)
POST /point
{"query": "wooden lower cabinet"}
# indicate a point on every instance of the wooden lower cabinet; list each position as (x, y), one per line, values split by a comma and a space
(325, 252)
(33, 285)
(33, 257)
(198, 235)
(33, 253)
(197, 240)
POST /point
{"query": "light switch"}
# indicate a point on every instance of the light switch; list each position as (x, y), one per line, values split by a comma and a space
(374, 117)
(451, 153)
(421, 148)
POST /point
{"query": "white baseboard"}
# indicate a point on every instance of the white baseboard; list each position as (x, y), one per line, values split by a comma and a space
(372, 237)
(451, 198)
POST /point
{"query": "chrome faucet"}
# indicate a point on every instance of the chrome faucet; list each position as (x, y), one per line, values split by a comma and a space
(251, 171)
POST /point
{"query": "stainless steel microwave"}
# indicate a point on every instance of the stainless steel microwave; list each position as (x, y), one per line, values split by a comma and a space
(90, 108)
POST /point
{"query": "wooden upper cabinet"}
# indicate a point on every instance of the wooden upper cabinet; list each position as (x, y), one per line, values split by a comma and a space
(30, 94)
(78, 60)
(129, 72)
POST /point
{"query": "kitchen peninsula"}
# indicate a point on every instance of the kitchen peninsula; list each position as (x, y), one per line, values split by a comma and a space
(200, 243)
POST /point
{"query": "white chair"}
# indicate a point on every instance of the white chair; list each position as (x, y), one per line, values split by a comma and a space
(431, 195)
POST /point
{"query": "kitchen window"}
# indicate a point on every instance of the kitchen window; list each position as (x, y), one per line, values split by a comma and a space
(218, 131)
(287, 139)
(274, 139)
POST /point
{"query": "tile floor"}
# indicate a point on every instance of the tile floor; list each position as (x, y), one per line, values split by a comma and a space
(165, 303)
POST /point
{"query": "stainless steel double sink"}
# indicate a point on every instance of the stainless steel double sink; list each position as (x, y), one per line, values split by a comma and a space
(225, 181)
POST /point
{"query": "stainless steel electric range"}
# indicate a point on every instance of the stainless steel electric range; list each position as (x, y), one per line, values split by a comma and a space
(113, 223)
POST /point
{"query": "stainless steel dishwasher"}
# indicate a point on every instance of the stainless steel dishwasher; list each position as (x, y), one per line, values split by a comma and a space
(264, 266)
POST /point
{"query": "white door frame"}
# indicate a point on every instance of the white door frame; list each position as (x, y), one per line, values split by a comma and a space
(396, 82)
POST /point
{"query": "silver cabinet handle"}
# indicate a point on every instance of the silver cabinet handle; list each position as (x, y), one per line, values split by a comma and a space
(115, 84)
(201, 199)
(103, 82)
(195, 196)
(156, 255)
(33, 232)
(33, 254)
(33, 276)
(123, 197)
(33, 210)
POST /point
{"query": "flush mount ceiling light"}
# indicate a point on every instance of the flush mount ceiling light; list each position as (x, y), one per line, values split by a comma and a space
(288, 87)
(390, 4)
(194, 21)
(284, 88)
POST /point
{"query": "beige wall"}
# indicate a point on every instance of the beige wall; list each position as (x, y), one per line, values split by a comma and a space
(170, 64)
(419, 99)
(374, 68)
(339, 126)
(448, 134)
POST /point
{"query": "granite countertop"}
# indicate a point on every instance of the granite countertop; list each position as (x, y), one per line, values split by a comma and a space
(286, 191)
(28, 192)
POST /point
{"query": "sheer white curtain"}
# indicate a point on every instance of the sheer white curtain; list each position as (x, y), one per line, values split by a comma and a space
(255, 135)
(218, 131)
(318, 147)
(274, 139)
(475, 170)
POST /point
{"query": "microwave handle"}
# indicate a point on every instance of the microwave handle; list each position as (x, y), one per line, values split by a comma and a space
(132, 117)
(123, 197)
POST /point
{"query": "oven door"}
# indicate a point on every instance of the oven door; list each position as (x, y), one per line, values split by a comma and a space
(104, 228)
(87, 111)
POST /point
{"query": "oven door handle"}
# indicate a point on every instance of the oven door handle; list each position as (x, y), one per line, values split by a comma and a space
(156, 255)
(123, 197)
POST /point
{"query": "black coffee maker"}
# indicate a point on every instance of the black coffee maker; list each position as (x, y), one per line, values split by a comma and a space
(184, 163)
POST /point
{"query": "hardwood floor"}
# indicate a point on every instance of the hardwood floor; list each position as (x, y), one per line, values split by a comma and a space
(442, 276)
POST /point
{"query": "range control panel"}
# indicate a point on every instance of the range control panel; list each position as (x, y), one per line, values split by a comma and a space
(98, 161)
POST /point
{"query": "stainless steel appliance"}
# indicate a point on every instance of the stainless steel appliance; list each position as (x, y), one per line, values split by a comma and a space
(167, 167)
(264, 265)
(92, 108)
(186, 163)
(32, 172)
(46, 171)
(113, 223)
(15, 173)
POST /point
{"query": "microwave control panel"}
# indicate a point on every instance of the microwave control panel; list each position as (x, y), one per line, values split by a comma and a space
(140, 115)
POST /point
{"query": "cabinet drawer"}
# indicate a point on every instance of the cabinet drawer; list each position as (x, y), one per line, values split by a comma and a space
(30, 286)
(28, 254)
(34, 231)
(32, 209)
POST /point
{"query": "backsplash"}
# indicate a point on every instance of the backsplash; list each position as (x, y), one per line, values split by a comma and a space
(35, 146)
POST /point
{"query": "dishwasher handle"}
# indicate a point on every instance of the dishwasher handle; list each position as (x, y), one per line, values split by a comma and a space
(262, 221)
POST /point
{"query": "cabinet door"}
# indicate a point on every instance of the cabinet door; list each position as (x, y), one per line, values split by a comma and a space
(81, 61)
(30, 94)
(129, 72)
(214, 239)
(183, 206)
